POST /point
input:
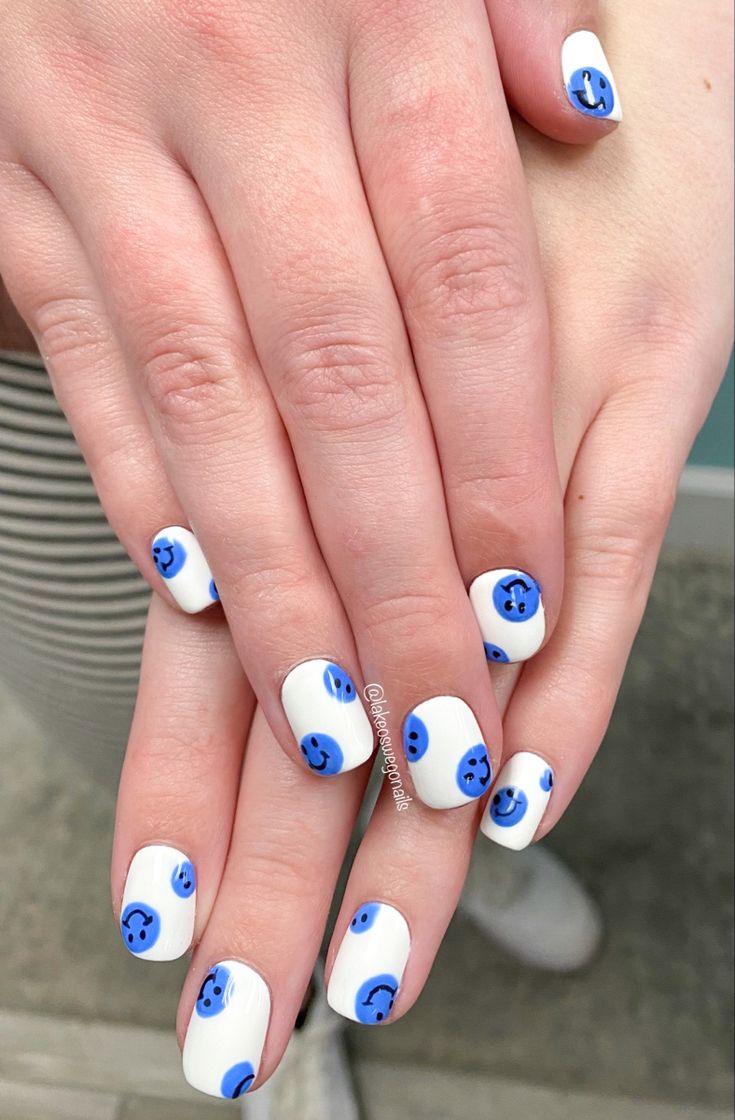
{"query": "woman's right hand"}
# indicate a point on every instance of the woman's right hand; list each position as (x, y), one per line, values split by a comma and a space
(280, 262)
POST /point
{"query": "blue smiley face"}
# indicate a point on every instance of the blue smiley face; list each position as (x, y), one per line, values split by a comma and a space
(496, 654)
(508, 806)
(237, 1080)
(184, 880)
(474, 773)
(364, 918)
(339, 684)
(590, 92)
(375, 999)
(546, 780)
(322, 753)
(140, 926)
(169, 556)
(215, 992)
(415, 738)
(516, 597)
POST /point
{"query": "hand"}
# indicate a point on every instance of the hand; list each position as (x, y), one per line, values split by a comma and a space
(238, 239)
(639, 284)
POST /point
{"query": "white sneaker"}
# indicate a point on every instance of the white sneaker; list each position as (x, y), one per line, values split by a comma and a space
(532, 905)
(313, 1081)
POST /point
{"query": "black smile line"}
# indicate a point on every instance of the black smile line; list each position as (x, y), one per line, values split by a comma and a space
(324, 764)
(581, 95)
(169, 549)
(239, 1088)
(512, 809)
(485, 778)
(147, 918)
(380, 988)
(516, 582)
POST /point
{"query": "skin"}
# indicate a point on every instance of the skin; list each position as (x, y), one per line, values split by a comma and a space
(345, 292)
(639, 284)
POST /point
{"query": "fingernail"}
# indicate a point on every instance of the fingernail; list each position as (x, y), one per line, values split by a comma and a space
(446, 756)
(370, 963)
(226, 1033)
(588, 78)
(510, 612)
(159, 904)
(327, 717)
(181, 563)
(518, 801)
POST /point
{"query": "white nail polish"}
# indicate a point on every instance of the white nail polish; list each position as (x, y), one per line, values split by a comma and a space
(518, 801)
(159, 904)
(180, 561)
(370, 963)
(327, 718)
(226, 1033)
(588, 78)
(446, 756)
(510, 612)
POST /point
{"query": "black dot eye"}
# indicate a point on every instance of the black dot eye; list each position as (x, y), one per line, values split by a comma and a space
(550, 780)
(363, 918)
(314, 741)
(521, 608)
(473, 762)
(207, 1002)
(508, 605)
(130, 938)
(218, 991)
(348, 689)
(379, 1016)
(496, 799)
(603, 83)
(141, 935)
(337, 682)
(413, 735)
(303, 750)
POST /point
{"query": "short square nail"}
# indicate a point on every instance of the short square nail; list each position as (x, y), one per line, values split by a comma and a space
(226, 1033)
(327, 718)
(518, 801)
(180, 562)
(588, 78)
(370, 963)
(510, 612)
(447, 759)
(159, 904)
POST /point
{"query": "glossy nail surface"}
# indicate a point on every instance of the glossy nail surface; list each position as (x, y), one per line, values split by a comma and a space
(226, 1033)
(509, 609)
(327, 718)
(588, 78)
(447, 759)
(370, 963)
(518, 801)
(158, 904)
(182, 565)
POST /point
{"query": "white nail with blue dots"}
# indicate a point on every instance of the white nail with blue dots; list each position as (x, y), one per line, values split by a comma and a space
(158, 904)
(181, 564)
(447, 758)
(226, 1033)
(369, 965)
(326, 715)
(588, 78)
(509, 609)
(518, 801)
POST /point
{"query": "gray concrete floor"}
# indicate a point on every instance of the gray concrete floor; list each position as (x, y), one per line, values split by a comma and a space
(649, 834)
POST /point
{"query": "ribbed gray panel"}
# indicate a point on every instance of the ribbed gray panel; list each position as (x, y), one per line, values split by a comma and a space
(72, 605)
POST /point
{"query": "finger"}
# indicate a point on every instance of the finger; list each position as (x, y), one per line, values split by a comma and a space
(253, 964)
(328, 330)
(393, 918)
(49, 277)
(446, 186)
(184, 338)
(554, 67)
(626, 473)
(178, 788)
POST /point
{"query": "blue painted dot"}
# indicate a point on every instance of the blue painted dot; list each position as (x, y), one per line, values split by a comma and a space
(140, 927)
(184, 880)
(169, 556)
(473, 773)
(516, 597)
(546, 780)
(496, 654)
(374, 1001)
(415, 738)
(364, 918)
(213, 592)
(237, 1080)
(215, 992)
(339, 684)
(322, 753)
(508, 806)
(590, 92)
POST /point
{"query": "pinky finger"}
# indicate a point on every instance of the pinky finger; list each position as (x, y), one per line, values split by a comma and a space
(562, 704)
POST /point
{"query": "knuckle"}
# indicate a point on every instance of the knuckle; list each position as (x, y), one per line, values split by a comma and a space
(335, 382)
(411, 615)
(620, 553)
(191, 386)
(69, 330)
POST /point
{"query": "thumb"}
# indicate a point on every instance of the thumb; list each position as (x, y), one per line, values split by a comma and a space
(554, 69)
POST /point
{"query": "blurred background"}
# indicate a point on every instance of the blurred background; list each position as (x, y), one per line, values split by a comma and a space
(642, 1032)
